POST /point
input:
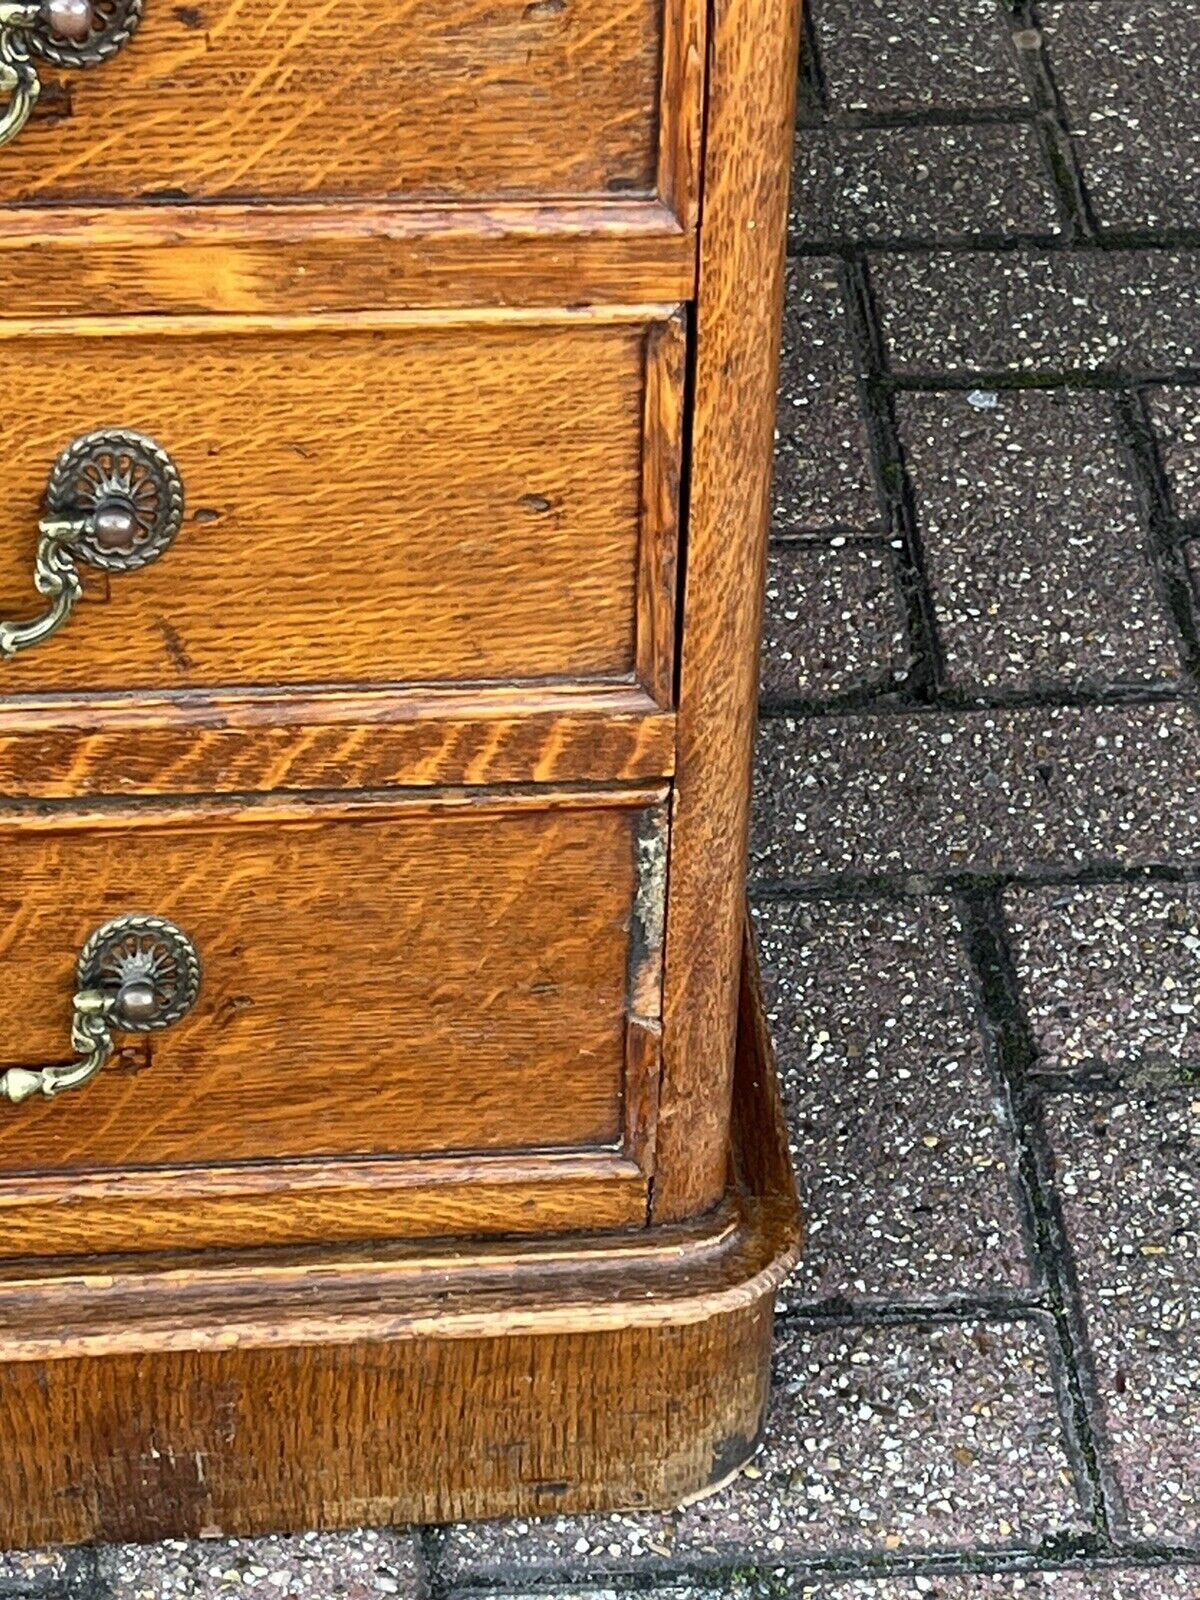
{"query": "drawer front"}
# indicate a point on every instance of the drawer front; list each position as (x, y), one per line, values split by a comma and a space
(393, 500)
(386, 984)
(441, 100)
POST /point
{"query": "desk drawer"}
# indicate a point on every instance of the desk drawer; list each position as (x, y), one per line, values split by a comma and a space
(493, 99)
(374, 987)
(397, 499)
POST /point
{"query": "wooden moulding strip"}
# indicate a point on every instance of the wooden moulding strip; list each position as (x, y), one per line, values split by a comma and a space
(295, 258)
(317, 1175)
(752, 74)
(287, 222)
(682, 100)
(662, 477)
(319, 807)
(59, 748)
(299, 1204)
(40, 1321)
(396, 1261)
(251, 324)
(246, 708)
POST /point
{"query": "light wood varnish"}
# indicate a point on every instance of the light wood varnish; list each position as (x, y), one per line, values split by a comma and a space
(463, 1188)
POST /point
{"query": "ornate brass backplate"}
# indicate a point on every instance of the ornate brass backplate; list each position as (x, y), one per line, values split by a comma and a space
(135, 974)
(67, 33)
(114, 501)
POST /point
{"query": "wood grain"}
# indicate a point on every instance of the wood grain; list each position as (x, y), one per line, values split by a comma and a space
(318, 1202)
(200, 1274)
(752, 67)
(680, 147)
(726, 1258)
(96, 261)
(176, 813)
(460, 99)
(70, 747)
(251, 1278)
(187, 1444)
(662, 471)
(397, 499)
(244, 1395)
(406, 979)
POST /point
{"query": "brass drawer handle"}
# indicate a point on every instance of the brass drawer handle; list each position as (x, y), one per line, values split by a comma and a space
(115, 502)
(136, 974)
(67, 33)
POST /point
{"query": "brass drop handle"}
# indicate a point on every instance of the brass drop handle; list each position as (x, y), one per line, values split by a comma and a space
(67, 33)
(135, 974)
(114, 501)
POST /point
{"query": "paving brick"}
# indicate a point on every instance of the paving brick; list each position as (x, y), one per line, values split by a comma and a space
(834, 622)
(1127, 75)
(896, 1134)
(1145, 1583)
(360, 1565)
(1129, 1179)
(1021, 311)
(33, 1572)
(878, 1439)
(822, 460)
(904, 55)
(1110, 975)
(925, 185)
(1175, 414)
(977, 791)
(1033, 542)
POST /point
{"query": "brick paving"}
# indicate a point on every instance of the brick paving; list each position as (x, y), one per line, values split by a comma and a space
(1038, 566)
(1126, 75)
(976, 861)
(895, 1114)
(1175, 419)
(1099, 312)
(369, 1565)
(834, 625)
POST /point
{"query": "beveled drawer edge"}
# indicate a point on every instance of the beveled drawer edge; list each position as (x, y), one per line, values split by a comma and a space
(67, 1215)
(72, 747)
(318, 1174)
(322, 705)
(285, 222)
(282, 808)
(297, 324)
(306, 258)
